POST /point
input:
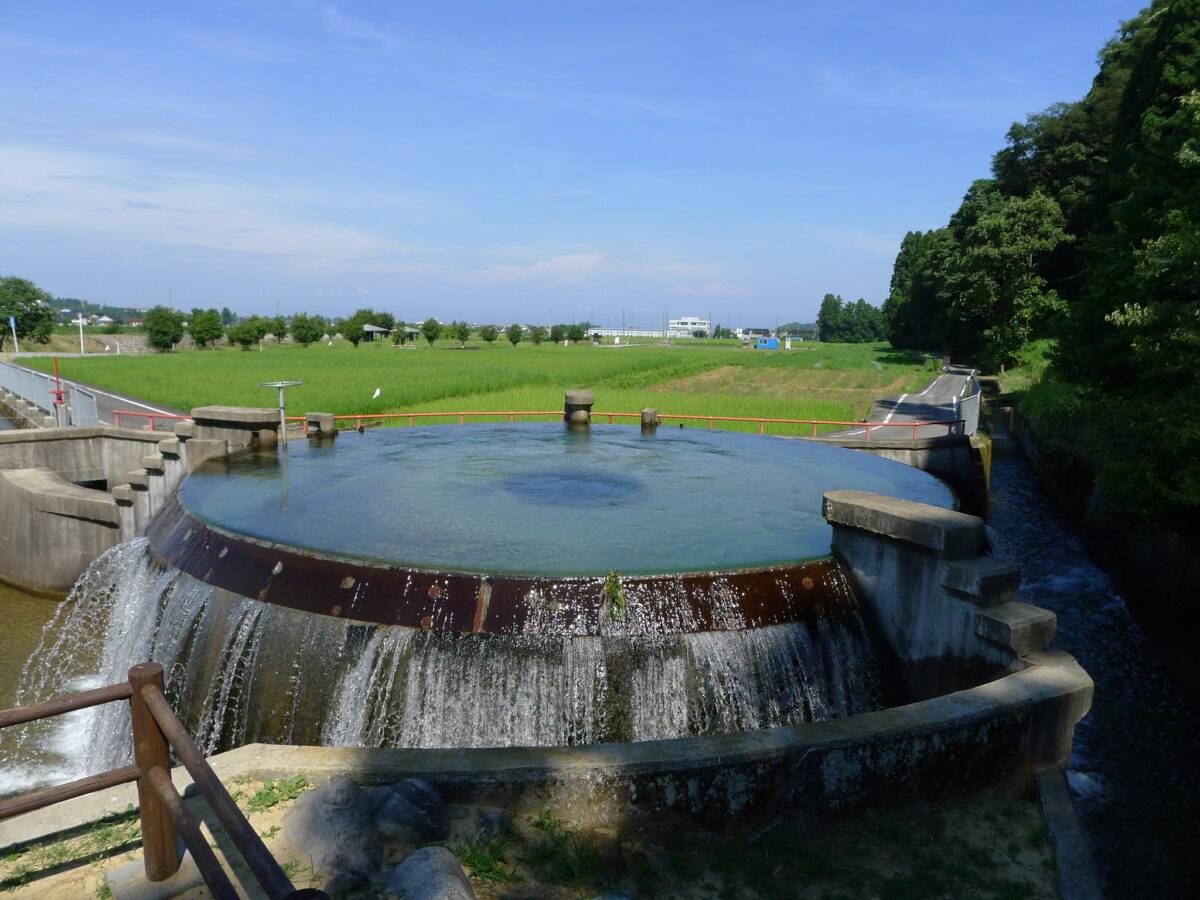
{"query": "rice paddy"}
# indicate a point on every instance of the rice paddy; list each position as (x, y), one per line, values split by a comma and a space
(834, 382)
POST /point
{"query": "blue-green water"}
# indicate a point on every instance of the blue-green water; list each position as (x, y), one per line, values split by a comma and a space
(542, 499)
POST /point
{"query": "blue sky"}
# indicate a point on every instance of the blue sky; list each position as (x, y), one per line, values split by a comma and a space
(499, 161)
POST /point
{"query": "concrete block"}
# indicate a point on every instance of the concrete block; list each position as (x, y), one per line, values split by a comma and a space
(129, 882)
(153, 462)
(984, 580)
(949, 534)
(171, 448)
(244, 418)
(1018, 626)
(185, 429)
(123, 494)
(139, 478)
(200, 450)
(322, 423)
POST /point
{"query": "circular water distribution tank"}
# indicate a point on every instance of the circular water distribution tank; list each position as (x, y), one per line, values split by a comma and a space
(508, 585)
(513, 528)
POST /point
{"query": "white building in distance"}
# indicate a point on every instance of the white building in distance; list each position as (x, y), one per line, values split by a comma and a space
(687, 326)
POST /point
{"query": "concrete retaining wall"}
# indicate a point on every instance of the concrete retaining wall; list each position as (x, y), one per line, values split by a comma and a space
(24, 413)
(944, 608)
(993, 736)
(952, 458)
(51, 528)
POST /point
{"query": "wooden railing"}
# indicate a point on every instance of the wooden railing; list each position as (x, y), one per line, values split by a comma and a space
(164, 815)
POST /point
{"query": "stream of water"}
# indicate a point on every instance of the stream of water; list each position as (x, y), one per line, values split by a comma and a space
(1135, 769)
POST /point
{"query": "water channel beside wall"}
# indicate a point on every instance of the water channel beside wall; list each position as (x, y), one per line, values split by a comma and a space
(1135, 767)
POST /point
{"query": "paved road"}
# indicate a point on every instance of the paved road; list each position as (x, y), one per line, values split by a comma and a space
(938, 402)
(107, 401)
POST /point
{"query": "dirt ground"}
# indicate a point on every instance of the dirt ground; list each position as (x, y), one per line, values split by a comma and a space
(982, 848)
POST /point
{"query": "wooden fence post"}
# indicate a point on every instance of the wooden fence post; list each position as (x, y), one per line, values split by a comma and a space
(150, 749)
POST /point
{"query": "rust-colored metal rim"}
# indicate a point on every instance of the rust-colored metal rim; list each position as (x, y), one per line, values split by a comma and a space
(500, 603)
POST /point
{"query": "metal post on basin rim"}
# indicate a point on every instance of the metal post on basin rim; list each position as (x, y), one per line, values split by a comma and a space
(282, 419)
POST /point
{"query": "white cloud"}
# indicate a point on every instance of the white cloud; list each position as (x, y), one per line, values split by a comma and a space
(569, 268)
(711, 289)
(90, 193)
(359, 29)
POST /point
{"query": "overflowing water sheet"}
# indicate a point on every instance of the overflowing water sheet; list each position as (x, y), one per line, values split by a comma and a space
(239, 670)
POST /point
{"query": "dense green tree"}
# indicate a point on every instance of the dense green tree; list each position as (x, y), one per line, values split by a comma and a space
(538, 334)
(307, 329)
(829, 318)
(204, 325)
(576, 333)
(997, 290)
(461, 332)
(558, 333)
(352, 328)
(30, 307)
(1132, 344)
(514, 333)
(227, 316)
(247, 332)
(431, 330)
(275, 325)
(849, 323)
(489, 333)
(164, 327)
(904, 325)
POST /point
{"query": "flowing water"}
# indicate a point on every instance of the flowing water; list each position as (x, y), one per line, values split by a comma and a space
(1135, 769)
(239, 670)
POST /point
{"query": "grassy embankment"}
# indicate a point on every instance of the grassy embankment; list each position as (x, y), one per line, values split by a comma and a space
(821, 381)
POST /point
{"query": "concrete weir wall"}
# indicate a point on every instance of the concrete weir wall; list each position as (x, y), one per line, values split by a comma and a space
(993, 707)
(53, 527)
(22, 412)
(952, 458)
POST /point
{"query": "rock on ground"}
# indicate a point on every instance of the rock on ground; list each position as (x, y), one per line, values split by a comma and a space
(333, 824)
(431, 873)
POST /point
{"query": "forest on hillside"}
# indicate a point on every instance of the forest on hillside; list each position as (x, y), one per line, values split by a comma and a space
(1086, 240)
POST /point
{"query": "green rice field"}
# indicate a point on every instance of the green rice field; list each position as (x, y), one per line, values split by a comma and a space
(817, 381)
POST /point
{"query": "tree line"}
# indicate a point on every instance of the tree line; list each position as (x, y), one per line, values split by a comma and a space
(849, 323)
(165, 327)
(1087, 237)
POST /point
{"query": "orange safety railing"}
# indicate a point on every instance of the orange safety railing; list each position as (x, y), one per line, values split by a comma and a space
(952, 426)
(412, 417)
(156, 730)
(117, 413)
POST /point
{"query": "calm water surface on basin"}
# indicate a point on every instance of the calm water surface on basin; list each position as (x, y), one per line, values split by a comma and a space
(542, 499)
